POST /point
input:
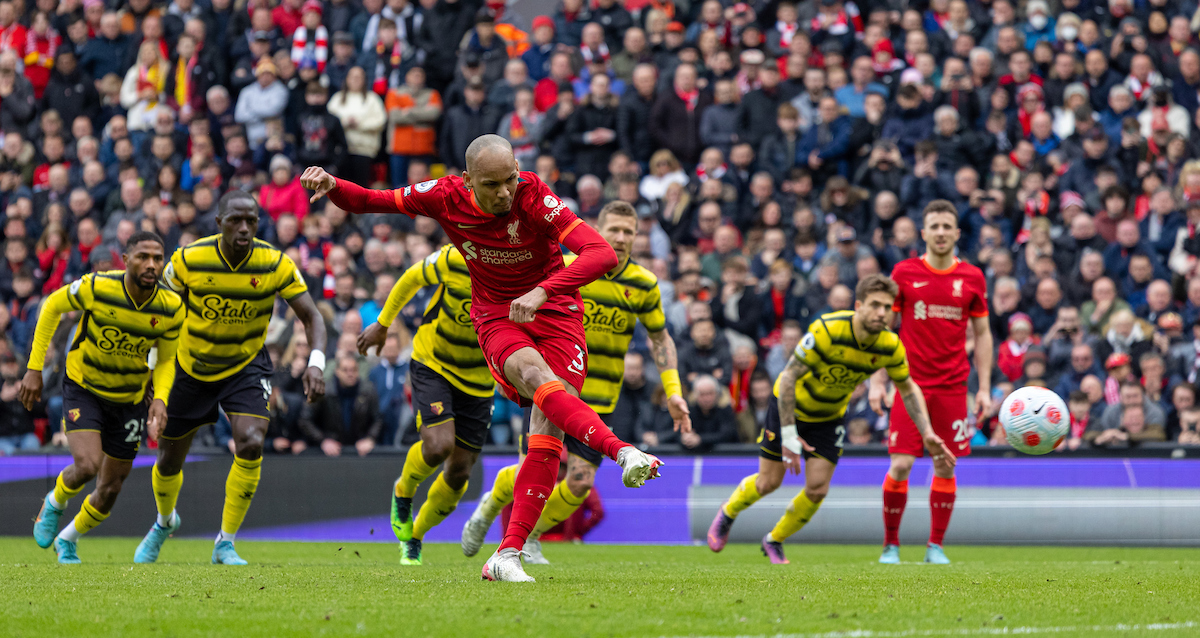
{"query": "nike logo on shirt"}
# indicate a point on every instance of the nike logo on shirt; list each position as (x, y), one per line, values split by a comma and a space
(920, 284)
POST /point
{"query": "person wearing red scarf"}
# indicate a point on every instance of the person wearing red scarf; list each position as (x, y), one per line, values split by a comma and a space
(12, 33)
(1030, 100)
(41, 44)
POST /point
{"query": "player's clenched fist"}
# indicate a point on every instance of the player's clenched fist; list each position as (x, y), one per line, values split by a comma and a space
(523, 308)
(317, 180)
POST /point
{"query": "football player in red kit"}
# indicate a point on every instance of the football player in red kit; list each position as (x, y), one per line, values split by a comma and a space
(525, 306)
(939, 297)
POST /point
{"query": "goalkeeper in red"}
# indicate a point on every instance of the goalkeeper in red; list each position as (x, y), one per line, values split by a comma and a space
(939, 296)
(525, 306)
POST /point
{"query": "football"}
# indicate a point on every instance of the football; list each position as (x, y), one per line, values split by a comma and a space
(1035, 420)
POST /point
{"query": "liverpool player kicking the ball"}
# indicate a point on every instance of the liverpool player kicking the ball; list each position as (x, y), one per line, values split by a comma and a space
(525, 306)
(939, 295)
(840, 351)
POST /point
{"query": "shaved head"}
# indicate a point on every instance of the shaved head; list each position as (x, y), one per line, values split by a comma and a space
(491, 174)
(485, 146)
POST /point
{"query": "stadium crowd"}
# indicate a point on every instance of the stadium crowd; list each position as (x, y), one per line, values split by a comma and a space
(775, 152)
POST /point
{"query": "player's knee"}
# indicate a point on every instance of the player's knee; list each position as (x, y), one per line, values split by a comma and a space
(901, 468)
(86, 469)
(106, 493)
(249, 446)
(816, 493)
(436, 451)
(534, 376)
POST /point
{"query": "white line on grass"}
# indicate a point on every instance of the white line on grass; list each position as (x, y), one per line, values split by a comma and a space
(987, 631)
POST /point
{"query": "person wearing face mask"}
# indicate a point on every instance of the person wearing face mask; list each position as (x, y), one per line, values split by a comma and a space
(1039, 26)
(1066, 30)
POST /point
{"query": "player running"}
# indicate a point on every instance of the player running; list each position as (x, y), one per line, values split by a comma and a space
(525, 307)
(612, 306)
(128, 320)
(840, 351)
(452, 393)
(938, 296)
(229, 282)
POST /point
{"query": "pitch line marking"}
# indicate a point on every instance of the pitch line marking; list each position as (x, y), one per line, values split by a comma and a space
(985, 631)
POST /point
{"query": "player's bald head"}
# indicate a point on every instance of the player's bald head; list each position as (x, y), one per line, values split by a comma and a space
(487, 151)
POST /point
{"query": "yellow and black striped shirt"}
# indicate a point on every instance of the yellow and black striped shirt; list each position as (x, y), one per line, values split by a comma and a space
(837, 363)
(229, 305)
(108, 356)
(446, 340)
(612, 305)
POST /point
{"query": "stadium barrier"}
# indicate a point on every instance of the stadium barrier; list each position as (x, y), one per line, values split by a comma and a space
(1094, 499)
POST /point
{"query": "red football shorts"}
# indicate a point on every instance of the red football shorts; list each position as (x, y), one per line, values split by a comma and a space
(558, 337)
(948, 415)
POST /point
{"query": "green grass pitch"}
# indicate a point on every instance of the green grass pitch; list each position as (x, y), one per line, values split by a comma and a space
(330, 589)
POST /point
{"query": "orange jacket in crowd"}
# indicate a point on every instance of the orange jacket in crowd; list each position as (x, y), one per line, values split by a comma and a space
(411, 119)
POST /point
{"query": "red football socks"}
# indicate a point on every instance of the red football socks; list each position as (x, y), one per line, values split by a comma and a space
(574, 417)
(535, 481)
(895, 498)
(941, 506)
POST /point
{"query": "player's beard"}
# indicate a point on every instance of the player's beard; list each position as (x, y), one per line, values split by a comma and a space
(143, 284)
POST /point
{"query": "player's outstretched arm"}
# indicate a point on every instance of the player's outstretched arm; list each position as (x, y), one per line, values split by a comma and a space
(662, 347)
(347, 195)
(413, 279)
(53, 308)
(314, 329)
(790, 438)
(983, 363)
(914, 403)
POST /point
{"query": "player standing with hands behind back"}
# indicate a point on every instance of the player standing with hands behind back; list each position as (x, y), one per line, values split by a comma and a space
(939, 295)
(525, 306)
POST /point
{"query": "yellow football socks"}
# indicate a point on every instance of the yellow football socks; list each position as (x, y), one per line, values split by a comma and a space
(744, 496)
(166, 493)
(87, 518)
(415, 470)
(62, 493)
(239, 491)
(795, 518)
(502, 490)
(439, 503)
(559, 507)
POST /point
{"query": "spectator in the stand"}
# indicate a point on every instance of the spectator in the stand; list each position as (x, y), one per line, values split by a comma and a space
(1012, 350)
(1182, 415)
(347, 415)
(735, 306)
(363, 120)
(283, 194)
(778, 355)
(633, 114)
(388, 379)
(633, 417)
(1125, 334)
(1043, 313)
(265, 99)
(720, 125)
(1134, 419)
(413, 111)
(825, 148)
(1097, 311)
(16, 423)
(675, 118)
(592, 128)
(463, 123)
(713, 420)
(707, 353)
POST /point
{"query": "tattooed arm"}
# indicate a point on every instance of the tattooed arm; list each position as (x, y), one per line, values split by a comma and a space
(662, 346)
(789, 436)
(914, 402)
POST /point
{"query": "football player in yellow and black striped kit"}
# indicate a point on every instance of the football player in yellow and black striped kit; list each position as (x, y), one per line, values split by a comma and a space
(229, 283)
(840, 351)
(127, 316)
(451, 392)
(613, 304)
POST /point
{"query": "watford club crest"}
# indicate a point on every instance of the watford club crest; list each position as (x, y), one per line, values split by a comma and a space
(153, 322)
(74, 414)
(437, 407)
(254, 282)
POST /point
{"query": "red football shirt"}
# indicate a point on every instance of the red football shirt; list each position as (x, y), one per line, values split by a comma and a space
(507, 255)
(935, 308)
